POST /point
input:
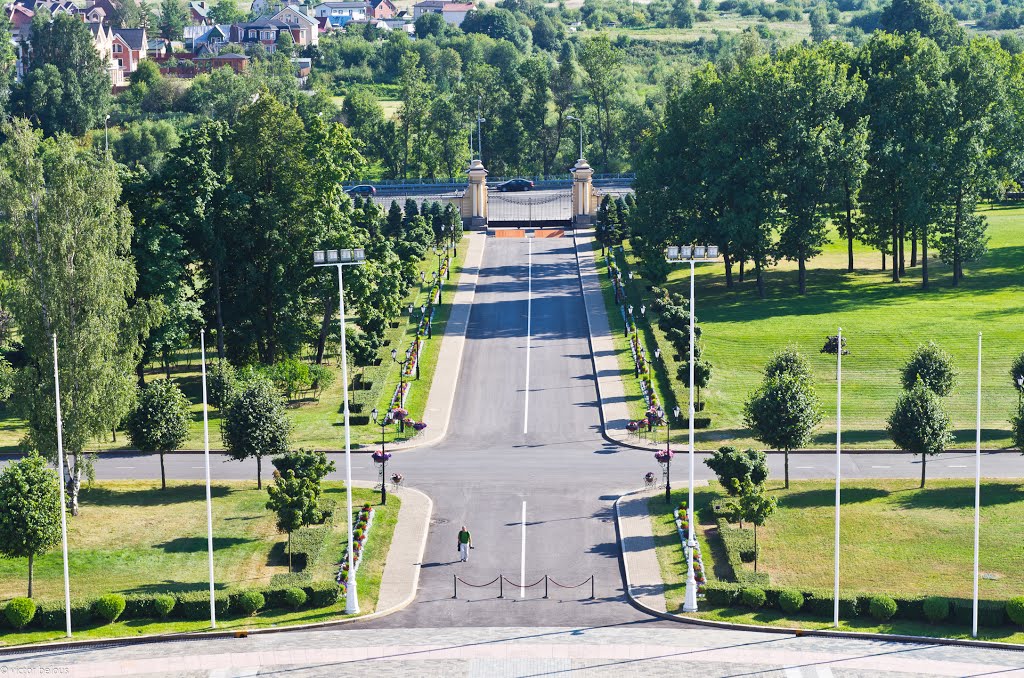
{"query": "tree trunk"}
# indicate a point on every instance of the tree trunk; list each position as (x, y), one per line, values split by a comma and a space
(728, 269)
(786, 453)
(924, 466)
(74, 485)
(957, 271)
(259, 472)
(743, 268)
(31, 567)
(218, 313)
(903, 257)
(325, 326)
(289, 552)
(924, 257)
(802, 275)
(849, 233)
(760, 280)
(755, 545)
(163, 474)
(913, 248)
(895, 254)
(140, 374)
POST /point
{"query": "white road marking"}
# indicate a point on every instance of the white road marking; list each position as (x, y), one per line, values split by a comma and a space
(881, 467)
(522, 564)
(198, 467)
(957, 466)
(794, 673)
(805, 467)
(124, 467)
(529, 314)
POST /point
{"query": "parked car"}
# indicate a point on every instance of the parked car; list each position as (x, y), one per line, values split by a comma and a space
(515, 185)
(362, 189)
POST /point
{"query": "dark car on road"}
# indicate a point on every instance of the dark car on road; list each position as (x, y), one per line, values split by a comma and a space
(362, 189)
(515, 185)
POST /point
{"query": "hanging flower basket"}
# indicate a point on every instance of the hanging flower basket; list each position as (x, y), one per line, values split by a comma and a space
(664, 456)
(399, 413)
(632, 427)
(419, 425)
(397, 478)
(408, 421)
(380, 457)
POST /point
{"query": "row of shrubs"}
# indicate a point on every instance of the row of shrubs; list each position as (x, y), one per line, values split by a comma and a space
(739, 549)
(20, 613)
(307, 547)
(820, 603)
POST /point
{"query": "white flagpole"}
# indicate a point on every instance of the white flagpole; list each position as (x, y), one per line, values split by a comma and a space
(522, 561)
(209, 503)
(63, 505)
(839, 443)
(977, 496)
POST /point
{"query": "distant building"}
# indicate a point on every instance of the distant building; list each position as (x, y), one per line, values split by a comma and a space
(237, 62)
(197, 12)
(354, 10)
(265, 30)
(453, 12)
(383, 9)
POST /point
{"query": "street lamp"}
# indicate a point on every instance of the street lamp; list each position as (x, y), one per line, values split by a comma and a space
(580, 121)
(1020, 387)
(401, 381)
(382, 456)
(691, 254)
(340, 259)
(106, 138)
(423, 314)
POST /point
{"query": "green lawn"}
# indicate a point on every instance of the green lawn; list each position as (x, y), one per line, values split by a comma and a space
(882, 323)
(895, 539)
(131, 537)
(316, 424)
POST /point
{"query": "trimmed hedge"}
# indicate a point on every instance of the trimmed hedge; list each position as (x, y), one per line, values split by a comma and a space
(19, 612)
(250, 602)
(289, 579)
(790, 601)
(50, 615)
(195, 605)
(1015, 610)
(323, 594)
(752, 597)
(882, 607)
(295, 597)
(936, 609)
(109, 607)
(739, 549)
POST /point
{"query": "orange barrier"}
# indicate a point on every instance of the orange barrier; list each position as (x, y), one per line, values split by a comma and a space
(509, 233)
(548, 233)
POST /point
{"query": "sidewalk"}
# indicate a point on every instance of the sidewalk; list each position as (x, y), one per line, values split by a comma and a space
(438, 411)
(639, 559)
(401, 576)
(611, 392)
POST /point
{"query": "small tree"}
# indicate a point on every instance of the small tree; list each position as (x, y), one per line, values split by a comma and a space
(1017, 374)
(753, 506)
(782, 413)
(701, 376)
(30, 519)
(6, 380)
(933, 366)
(1017, 427)
(255, 424)
(733, 467)
(160, 422)
(222, 382)
(312, 465)
(294, 500)
(788, 361)
(919, 425)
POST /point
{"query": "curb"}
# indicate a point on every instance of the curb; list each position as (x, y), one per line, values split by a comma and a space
(795, 632)
(240, 633)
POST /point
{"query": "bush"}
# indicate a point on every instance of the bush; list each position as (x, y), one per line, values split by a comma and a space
(109, 607)
(790, 601)
(250, 602)
(163, 605)
(295, 597)
(721, 593)
(323, 594)
(753, 598)
(196, 605)
(882, 607)
(19, 612)
(739, 548)
(50, 616)
(290, 579)
(910, 607)
(936, 609)
(822, 604)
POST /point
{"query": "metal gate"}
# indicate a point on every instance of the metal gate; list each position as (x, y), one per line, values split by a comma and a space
(529, 209)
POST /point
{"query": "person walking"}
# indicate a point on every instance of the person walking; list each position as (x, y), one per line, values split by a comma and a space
(465, 543)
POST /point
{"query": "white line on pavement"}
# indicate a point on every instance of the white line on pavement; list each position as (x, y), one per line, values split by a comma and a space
(124, 467)
(805, 467)
(529, 311)
(881, 467)
(957, 466)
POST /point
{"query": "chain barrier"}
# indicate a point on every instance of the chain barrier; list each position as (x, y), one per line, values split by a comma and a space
(502, 580)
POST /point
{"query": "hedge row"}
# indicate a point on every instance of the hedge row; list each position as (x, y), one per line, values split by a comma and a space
(820, 603)
(307, 547)
(739, 549)
(191, 605)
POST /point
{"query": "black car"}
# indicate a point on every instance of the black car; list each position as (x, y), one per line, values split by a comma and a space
(362, 189)
(515, 185)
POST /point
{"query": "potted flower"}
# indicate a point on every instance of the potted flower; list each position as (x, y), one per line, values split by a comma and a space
(380, 457)
(664, 456)
(632, 427)
(399, 413)
(419, 425)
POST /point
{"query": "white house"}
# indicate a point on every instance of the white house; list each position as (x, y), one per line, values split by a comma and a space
(358, 11)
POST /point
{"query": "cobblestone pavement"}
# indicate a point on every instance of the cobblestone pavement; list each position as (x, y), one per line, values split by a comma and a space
(649, 649)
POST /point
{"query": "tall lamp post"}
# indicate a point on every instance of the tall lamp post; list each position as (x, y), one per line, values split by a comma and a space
(339, 259)
(692, 255)
(401, 382)
(430, 332)
(382, 456)
(441, 253)
(580, 121)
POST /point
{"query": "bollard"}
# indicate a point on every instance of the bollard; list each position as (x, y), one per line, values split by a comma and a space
(455, 582)
(545, 586)
(501, 586)
(591, 587)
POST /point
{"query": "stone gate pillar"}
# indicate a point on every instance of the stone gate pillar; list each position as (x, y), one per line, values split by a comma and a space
(474, 215)
(583, 203)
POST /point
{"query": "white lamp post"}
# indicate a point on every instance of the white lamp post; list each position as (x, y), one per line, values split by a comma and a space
(692, 255)
(340, 259)
(63, 509)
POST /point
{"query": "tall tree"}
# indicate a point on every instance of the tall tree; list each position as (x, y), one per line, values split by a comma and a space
(931, 366)
(919, 425)
(69, 250)
(160, 421)
(782, 413)
(602, 63)
(255, 425)
(30, 521)
(67, 85)
(293, 499)
(173, 19)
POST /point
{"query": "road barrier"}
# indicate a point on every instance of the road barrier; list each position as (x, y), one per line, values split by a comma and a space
(501, 580)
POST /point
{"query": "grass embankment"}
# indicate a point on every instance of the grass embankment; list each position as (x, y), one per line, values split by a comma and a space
(882, 323)
(134, 538)
(895, 539)
(316, 424)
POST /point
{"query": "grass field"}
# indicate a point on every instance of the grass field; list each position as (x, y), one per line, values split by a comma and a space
(882, 322)
(316, 424)
(132, 537)
(895, 539)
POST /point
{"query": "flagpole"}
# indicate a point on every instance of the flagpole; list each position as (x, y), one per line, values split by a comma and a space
(63, 505)
(839, 443)
(977, 496)
(209, 507)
